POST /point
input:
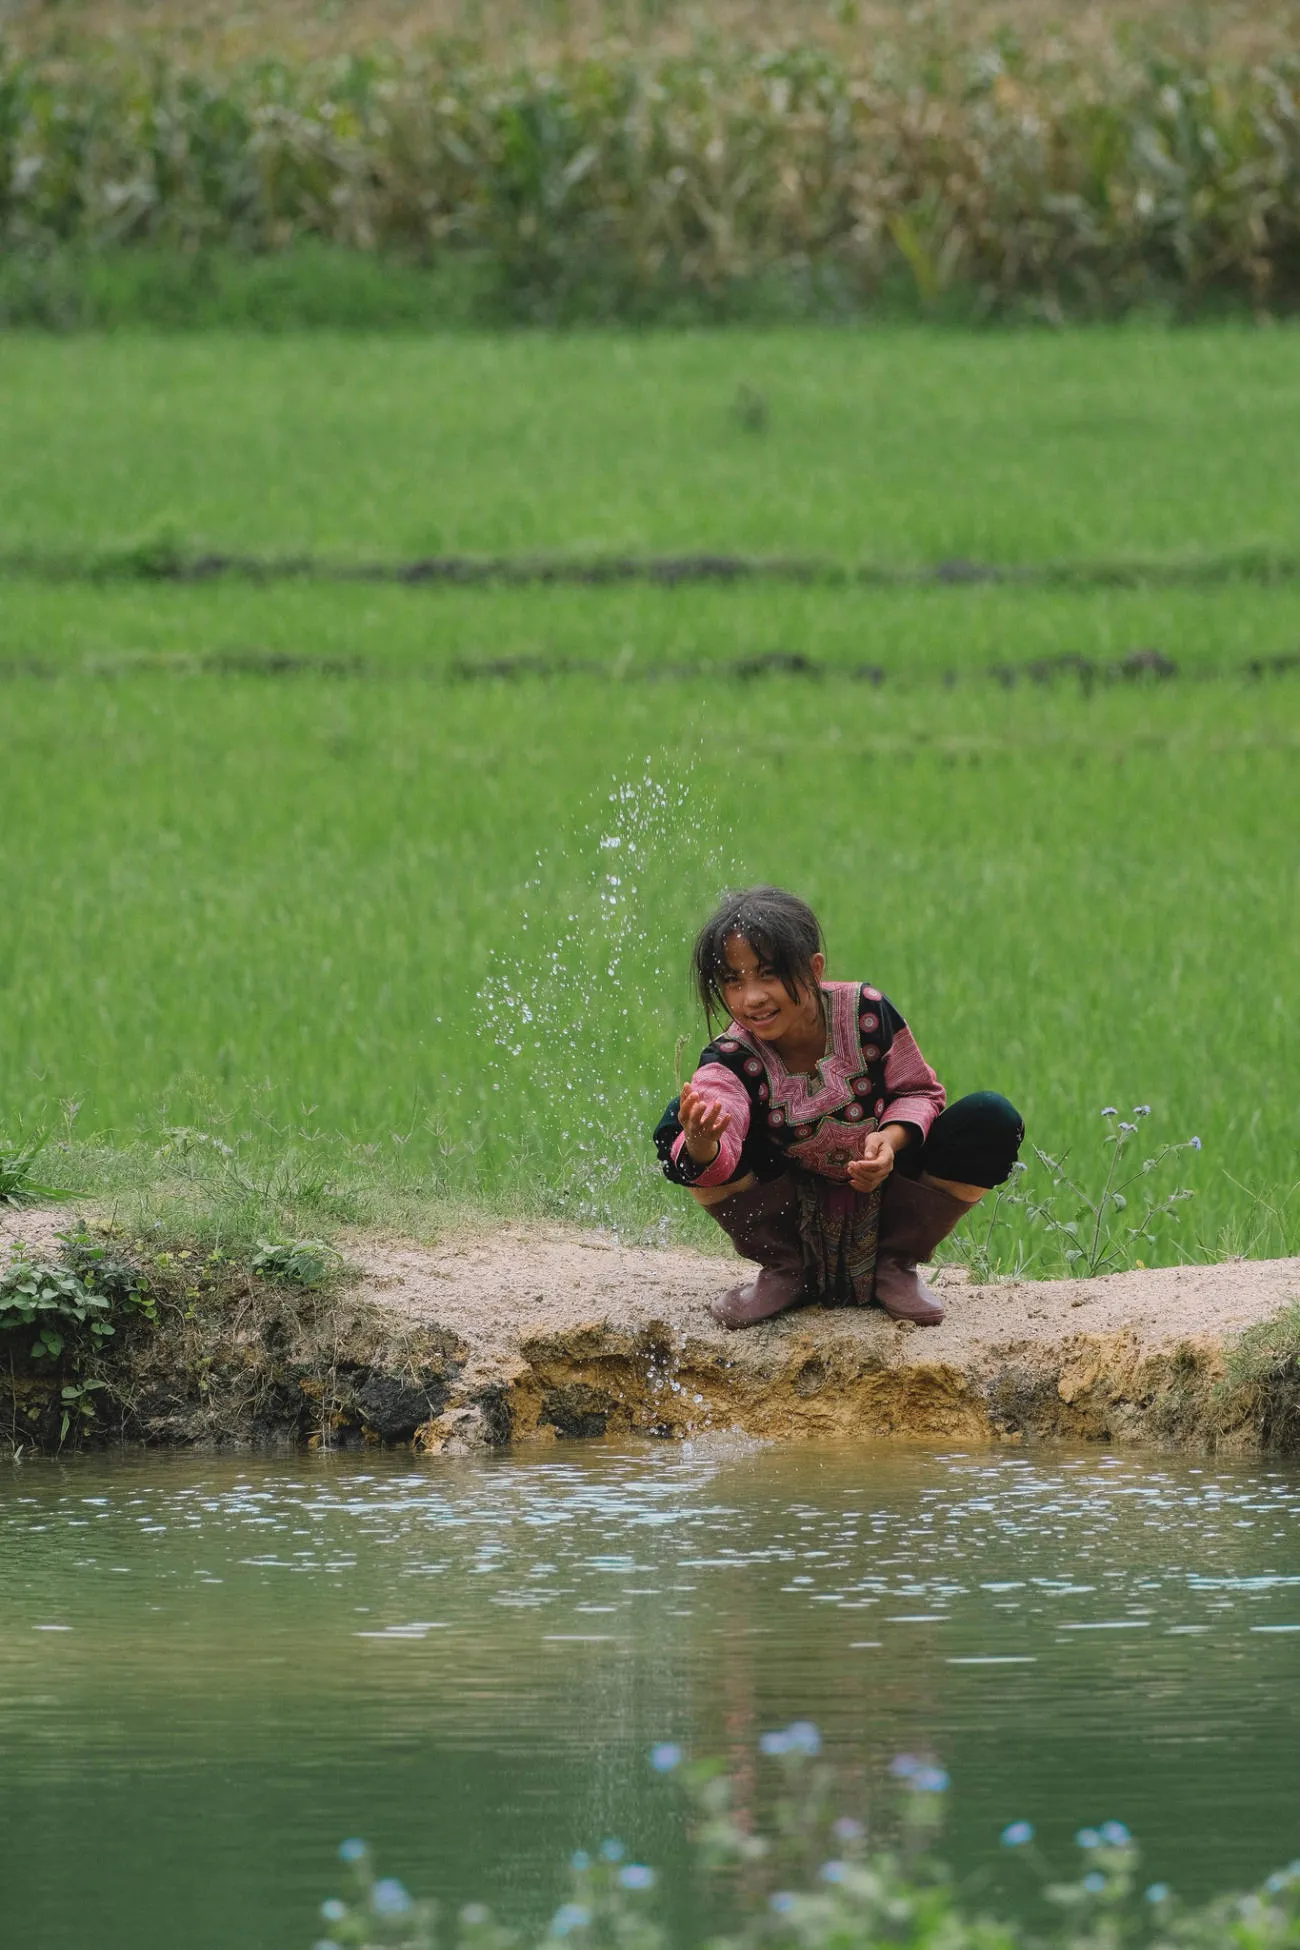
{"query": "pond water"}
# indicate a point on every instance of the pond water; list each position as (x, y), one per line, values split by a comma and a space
(213, 1669)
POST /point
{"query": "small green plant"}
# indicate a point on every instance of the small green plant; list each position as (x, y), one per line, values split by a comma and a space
(54, 1302)
(297, 1262)
(104, 1270)
(78, 1398)
(17, 1186)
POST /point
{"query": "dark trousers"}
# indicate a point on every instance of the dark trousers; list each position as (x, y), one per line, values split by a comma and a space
(973, 1142)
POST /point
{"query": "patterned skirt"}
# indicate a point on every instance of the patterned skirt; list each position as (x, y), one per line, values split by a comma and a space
(838, 1228)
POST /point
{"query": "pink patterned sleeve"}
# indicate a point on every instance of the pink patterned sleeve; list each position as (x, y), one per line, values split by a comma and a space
(914, 1093)
(715, 1082)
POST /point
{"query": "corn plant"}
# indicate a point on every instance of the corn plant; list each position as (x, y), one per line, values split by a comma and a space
(1080, 179)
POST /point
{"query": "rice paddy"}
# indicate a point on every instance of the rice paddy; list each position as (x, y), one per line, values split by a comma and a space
(399, 880)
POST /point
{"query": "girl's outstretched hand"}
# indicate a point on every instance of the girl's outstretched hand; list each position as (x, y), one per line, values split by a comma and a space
(702, 1124)
(875, 1164)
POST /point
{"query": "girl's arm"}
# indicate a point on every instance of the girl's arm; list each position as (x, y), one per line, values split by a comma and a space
(720, 1105)
(914, 1095)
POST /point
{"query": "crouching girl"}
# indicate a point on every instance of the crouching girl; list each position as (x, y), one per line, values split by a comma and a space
(814, 1131)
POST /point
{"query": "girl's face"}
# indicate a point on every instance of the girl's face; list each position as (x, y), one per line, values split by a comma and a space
(758, 999)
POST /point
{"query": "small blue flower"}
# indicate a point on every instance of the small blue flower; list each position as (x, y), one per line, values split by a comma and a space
(636, 1876)
(333, 1911)
(612, 1851)
(579, 1861)
(904, 1766)
(325, 1943)
(1088, 1838)
(1110, 1111)
(351, 1851)
(804, 1738)
(1141, 1110)
(1017, 1833)
(389, 1897)
(1280, 1879)
(847, 1830)
(833, 1871)
(774, 1743)
(930, 1780)
(1094, 1882)
(781, 1903)
(665, 1757)
(1195, 1143)
(569, 1917)
(1157, 1893)
(1115, 1834)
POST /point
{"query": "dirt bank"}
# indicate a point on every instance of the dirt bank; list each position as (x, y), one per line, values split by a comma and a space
(529, 1333)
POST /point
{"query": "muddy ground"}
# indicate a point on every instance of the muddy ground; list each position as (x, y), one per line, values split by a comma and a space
(529, 1333)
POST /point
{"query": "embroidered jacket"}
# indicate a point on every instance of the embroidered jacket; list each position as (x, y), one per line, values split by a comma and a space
(872, 1074)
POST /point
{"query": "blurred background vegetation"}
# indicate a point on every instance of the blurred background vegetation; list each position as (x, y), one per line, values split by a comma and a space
(553, 162)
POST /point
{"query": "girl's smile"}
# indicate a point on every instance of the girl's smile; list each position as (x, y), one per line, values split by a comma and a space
(760, 1002)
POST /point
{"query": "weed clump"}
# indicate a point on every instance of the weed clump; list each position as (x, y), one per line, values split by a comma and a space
(1094, 1230)
(1262, 1380)
(17, 1185)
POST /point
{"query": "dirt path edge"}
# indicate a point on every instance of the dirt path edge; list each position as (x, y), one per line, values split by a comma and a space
(529, 1333)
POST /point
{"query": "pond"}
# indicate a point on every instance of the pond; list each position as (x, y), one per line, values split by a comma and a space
(212, 1669)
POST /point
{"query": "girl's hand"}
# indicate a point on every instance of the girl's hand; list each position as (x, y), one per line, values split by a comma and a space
(875, 1164)
(702, 1124)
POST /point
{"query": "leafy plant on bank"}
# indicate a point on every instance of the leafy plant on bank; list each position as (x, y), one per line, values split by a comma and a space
(1076, 179)
(54, 1305)
(793, 1863)
(71, 1307)
(77, 1300)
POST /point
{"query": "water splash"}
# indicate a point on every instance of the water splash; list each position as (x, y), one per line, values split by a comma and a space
(581, 1019)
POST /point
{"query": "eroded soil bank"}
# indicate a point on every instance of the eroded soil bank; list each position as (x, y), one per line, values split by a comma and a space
(525, 1334)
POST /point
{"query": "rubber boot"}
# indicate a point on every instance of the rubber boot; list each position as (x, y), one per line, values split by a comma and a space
(762, 1224)
(913, 1219)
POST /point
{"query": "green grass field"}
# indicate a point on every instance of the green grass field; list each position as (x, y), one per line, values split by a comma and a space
(301, 912)
(889, 446)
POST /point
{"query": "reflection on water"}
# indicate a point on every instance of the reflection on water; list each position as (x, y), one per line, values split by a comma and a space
(213, 1669)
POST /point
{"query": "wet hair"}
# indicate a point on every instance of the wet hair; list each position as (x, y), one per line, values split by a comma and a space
(781, 929)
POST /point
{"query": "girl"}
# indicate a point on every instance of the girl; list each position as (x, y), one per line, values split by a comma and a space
(814, 1131)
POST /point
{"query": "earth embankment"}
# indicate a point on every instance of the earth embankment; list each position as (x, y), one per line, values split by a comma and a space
(526, 1333)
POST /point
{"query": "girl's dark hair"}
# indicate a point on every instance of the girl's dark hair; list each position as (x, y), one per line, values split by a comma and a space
(782, 930)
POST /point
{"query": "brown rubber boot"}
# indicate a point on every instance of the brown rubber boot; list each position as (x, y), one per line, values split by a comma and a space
(762, 1224)
(913, 1219)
